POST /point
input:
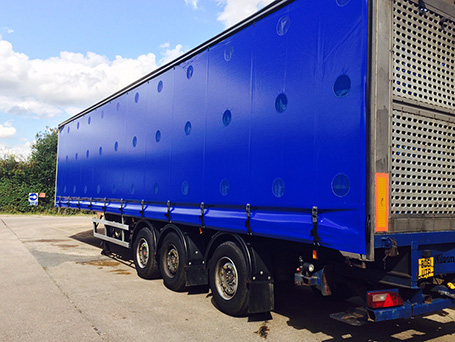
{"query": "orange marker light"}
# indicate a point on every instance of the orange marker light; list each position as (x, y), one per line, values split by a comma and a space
(382, 202)
(315, 254)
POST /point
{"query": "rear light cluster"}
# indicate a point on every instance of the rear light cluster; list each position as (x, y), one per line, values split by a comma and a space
(384, 299)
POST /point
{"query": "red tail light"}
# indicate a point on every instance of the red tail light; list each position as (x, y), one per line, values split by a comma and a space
(384, 299)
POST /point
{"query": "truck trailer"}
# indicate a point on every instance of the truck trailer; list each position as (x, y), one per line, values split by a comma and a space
(313, 141)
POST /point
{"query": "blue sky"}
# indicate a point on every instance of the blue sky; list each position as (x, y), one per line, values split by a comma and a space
(59, 57)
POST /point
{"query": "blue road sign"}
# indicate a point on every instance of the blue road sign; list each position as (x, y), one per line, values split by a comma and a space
(33, 198)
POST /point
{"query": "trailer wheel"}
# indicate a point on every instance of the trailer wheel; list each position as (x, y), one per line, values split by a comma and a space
(228, 279)
(172, 263)
(144, 255)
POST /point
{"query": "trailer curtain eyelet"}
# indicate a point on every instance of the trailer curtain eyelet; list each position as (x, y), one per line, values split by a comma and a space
(342, 3)
(189, 72)
(340, 185)
(278, 187)
(228, 52)
(224, 187)
(227, 116)
(342, 86)
(185, 188)
(281, 103)
(188, 128)
(282, 26)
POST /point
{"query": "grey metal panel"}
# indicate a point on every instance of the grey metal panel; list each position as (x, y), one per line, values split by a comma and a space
(442, 7)
(423, 165)
(425, 112)
(422, 135)
(380, 101)
(422, 224)
(423, 55)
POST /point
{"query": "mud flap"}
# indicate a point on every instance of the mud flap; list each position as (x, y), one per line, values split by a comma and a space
(260, 297)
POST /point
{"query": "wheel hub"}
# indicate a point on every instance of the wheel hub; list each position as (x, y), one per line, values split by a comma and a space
(142, 253)
(226, 278)
(172, 260)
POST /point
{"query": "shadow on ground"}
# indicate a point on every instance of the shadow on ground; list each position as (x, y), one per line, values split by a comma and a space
(308, 311)
(113, 251)
(305, 310)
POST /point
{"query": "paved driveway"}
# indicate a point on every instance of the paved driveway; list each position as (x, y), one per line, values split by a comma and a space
(55, 285)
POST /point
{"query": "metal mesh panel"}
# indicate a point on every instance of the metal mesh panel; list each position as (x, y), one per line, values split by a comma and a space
(423, 56)
(423, 165)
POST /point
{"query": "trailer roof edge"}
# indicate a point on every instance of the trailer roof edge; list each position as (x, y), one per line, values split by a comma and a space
(274, 6)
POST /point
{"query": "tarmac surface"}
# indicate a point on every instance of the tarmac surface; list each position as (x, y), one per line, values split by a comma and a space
(55, 285)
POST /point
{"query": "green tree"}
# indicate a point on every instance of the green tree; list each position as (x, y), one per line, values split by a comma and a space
(37, 174)
(15, 179)
(43, 164)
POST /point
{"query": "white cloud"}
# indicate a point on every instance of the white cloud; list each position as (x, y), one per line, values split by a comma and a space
(7, 130)
(65, 84)
(170, 54)
(193, 3)
(19, 151)
(5, 30)
(236, 10)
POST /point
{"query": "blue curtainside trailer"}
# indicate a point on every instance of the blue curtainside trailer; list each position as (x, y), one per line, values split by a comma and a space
(311, 135)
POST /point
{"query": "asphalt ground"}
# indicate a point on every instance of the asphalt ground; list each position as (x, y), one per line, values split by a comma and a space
(55, 285)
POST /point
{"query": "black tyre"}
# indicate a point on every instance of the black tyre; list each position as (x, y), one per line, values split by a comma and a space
(172, 262)
(228, 279)
(144, 255)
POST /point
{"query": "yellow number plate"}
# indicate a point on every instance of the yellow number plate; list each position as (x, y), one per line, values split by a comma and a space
(426, 268)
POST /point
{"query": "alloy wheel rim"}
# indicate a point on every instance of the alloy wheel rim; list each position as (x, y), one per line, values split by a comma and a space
(172, 260)
(142, 252)
(226, 278)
